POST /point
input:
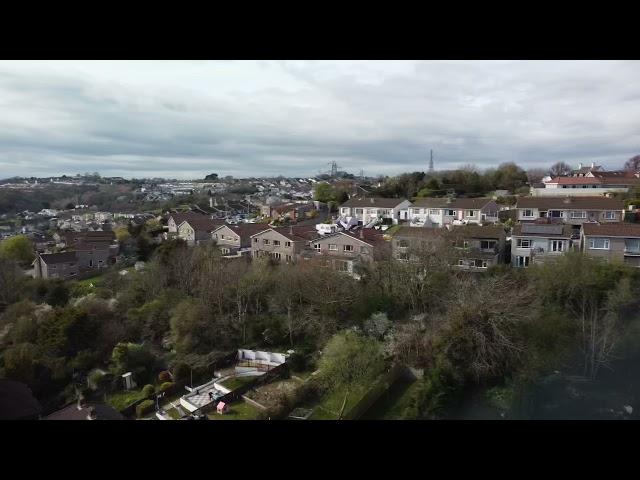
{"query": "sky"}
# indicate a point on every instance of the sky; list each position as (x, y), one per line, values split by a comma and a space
(186, 119)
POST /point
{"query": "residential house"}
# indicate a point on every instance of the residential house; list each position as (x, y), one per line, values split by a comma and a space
(283, 243)
(196, 230)
(56, 265)
(570, 210)
(589, 181)
(438, 212)
(613, 242)
(292, 211)
(234, 240)
(537, 243)
(468, 247)
(175, 219)
(477, 248)
(370, 209)
(347, 251)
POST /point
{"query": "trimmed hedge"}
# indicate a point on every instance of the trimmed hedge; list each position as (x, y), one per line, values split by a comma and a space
(166, 386)
(148, 390)
(144, 407)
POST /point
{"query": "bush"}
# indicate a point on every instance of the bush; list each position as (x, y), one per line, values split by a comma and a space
(166, 386)
(145, 407)
(148, 390)
(181, 372)
(297, 362)
(164, 376)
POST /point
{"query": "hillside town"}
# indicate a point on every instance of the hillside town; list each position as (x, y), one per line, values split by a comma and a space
(343, 224)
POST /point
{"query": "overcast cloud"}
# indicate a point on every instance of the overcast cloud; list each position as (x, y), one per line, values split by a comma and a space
(185, 119)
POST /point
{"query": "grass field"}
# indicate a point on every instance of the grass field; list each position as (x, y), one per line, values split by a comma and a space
(121, 400)
(237, 382)
(238, 411)
(330, 405)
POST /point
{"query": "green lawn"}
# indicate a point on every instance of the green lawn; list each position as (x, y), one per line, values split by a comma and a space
(238, 411)
(237, 382)
(121, 400)
(329, 406)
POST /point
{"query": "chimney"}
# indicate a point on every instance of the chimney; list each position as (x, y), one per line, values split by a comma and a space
(579, 165)
(290, 229)
(362, 233)
(210, 202)
(372, 201)
(593, 164)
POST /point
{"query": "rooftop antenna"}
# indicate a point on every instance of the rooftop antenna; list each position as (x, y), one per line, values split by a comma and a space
(431, 162)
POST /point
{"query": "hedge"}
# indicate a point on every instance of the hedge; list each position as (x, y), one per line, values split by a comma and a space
(145, 407)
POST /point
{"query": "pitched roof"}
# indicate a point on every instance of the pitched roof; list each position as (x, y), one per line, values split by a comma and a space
(477, 231)
(178, 218)
(575, 181)
(203, 223)
(612, 229)
(570, 203)
(430, 202)
(62, 257)
(416, 232)
(469, 203)
(17, 402)
(245, 229)
(298, 233)
(545, 231)
(371, 236)
(373, 202)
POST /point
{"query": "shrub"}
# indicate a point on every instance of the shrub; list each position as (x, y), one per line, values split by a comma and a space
(145, 407)
(164, 376)
(166, 386)
(297, 362)
(181, 372)
(148, 390)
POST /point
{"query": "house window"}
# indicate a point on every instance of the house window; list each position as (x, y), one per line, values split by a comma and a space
(342, 266)
(579, 214)
(487, 244)
(288, 258)
(528, 213)
(434, 211)
(609, 215)
(265, 241)
(471, 213)
(287, 244)
(557, 246)
(415, 211)
(316, 246)
(484, 264)
(358, 211)
(555, 213)
(461, 263)
(224, 251)
(276, 255)
(255, 240)
(276, 243)
(333, 247)
(632, 245)
(451, 213)
(403, 243)
(465, 244)
(522, 261)
(599, 243)
(345, 211)
(347, 248)
(524, 243)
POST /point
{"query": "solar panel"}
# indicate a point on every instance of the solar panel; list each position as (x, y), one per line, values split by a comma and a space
(542, 229)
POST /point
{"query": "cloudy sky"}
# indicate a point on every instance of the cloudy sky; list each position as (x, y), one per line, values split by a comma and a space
(185, 119)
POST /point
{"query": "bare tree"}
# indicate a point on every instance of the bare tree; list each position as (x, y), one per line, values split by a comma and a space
(633, 164)
(559, 169)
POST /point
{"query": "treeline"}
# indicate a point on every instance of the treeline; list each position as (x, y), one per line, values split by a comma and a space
(190, 305)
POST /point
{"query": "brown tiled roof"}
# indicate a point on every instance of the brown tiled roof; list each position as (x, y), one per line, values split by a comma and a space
(203, 223)
(181, 217)
(297, 233)
(565, 232)
(570, 203)
(418, 232)
(612, 229)
(575, 181)
(373, 202)
(88, 236)
(63, 257)
(246, 229)
(477, 231)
